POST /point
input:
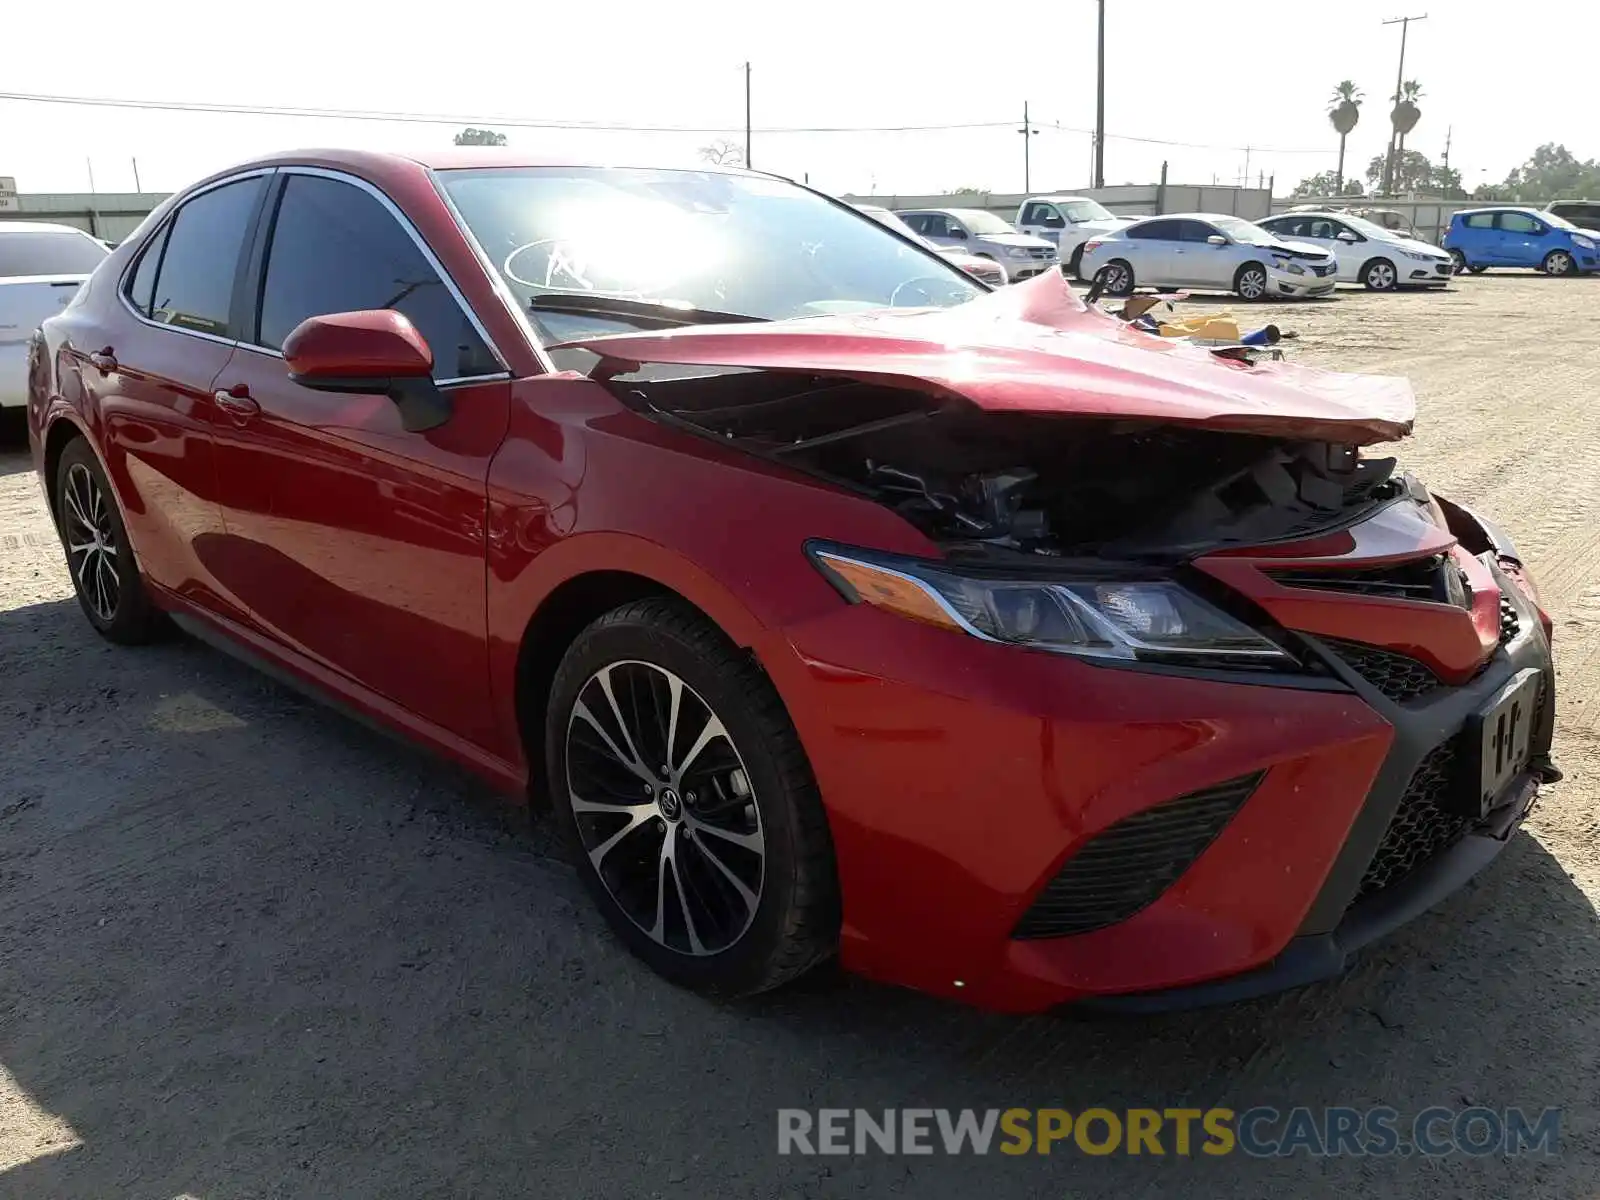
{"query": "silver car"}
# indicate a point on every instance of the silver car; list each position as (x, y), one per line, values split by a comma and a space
(1210, 252)
(986, 235)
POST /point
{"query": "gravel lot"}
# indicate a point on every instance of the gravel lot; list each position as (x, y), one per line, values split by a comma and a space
(250, 949)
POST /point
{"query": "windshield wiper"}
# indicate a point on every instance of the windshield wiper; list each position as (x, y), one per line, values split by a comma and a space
(655, 312)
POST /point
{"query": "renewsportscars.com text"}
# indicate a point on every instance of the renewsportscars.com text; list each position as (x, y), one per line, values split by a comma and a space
(1260, 1132)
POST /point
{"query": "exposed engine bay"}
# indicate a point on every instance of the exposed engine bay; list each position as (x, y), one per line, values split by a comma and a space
(1022, 482)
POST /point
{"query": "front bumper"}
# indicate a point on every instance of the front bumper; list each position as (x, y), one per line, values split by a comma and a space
(1017, 269)
(960, 778)
(1284, 283)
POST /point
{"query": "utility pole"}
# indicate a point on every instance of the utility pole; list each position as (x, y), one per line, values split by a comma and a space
(136, 186)
(747, 116)
(1244, 178)
(1100, 103)
(1399, 78)
(1027, 131)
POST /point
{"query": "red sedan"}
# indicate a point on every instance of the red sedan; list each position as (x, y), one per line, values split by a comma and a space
(833, 603)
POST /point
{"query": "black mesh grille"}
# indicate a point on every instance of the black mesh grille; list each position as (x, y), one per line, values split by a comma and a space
(1421, 828)
(1509, 622)
(1418, 579)
(1127, 867)
(1395, 675)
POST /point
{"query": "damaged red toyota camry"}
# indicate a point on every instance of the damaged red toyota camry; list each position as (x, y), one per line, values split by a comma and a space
(834, 604)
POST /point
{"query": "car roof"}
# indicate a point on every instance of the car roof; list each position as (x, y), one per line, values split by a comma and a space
(1498, 208)
(41, 227)
(1189, 216)
(1056, 199)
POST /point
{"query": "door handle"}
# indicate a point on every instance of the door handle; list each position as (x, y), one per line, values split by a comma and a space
(236, 401)
(104, 361)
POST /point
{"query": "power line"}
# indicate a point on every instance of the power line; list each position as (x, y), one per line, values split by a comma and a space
(412, 118)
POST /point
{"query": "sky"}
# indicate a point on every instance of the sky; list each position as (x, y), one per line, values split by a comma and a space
(1242, 85)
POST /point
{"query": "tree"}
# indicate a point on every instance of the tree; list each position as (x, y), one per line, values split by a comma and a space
(1344, 110)
(969, 191)
(1552, 173)
(479, 137)
(1412, 172)
(1406, 114)
(1326, 183)
(724, 153)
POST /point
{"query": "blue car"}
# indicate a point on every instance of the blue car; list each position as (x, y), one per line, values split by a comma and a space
(1480, 238)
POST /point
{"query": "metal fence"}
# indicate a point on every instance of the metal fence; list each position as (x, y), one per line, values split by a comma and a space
(1428, 217)
(111, 216)
(1129, 200)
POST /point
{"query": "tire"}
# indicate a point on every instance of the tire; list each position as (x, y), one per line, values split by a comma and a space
(105, 576)
(1477, 270)
(1251, 282)
(1380, 275)
(1116, 278)
(1460, 261)
(732, 896)
(1559, 262)
(1075, 263)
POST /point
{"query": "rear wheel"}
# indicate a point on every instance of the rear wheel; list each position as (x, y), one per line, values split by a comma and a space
(682, 788)
(1559, 262)
(1116, 278)
(104, 573)
(1379, 275)
(1251, 282)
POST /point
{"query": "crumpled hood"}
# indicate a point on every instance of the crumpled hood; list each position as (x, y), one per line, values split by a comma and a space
(1035, 347)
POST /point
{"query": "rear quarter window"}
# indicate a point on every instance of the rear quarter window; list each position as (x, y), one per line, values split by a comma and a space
(1478, 221)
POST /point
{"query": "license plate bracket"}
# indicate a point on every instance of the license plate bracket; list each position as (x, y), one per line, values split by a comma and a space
(1497, 742)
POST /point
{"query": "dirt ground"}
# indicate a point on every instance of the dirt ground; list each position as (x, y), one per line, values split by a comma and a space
(250, 949)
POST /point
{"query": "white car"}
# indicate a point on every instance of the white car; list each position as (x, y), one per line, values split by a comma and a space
(985, 270)
(1069, 222)
(1367, 253)
(41, 268)
(1209, 252)
(986, 235)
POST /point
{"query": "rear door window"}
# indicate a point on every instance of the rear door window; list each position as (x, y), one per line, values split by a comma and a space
(194, 282)
(48, 253)
(336, 248)
(1155, 231)
(1479, 221)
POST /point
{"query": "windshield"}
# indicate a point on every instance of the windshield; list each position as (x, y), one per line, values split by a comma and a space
(1368, 228)
(1243, 231)
(63, 253)
(1086, 210)
(984, 224)
(736, 244)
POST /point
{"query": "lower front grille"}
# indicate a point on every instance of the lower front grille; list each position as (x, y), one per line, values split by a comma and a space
(1398, 677)
(1421, 827)
(1510, 623)
(1127, 867)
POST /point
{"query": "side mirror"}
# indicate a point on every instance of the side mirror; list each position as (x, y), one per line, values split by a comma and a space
(957, 232)
(1346, 236)
(1216, 239)
(376, 352)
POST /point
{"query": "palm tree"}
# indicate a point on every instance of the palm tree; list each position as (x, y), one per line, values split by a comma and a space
(1344, 110)
(1406, 114)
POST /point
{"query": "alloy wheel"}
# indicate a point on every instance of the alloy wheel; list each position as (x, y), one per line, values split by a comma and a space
(1252, 283)
(1116, 278)
(92, 551)
(1459, 260)
(664, 807)
(1380, 276)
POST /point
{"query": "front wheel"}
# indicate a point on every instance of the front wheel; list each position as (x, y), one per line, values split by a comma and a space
(682, 788)
(1379, 275)
(1459, 261)
(1075, 263)
(1251, 282)
(99, 555)
(1559, 262)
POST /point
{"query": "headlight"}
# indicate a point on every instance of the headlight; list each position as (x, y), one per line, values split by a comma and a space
(1018, 252)
(1419, 256)
(1584, 242)
(1151, 620)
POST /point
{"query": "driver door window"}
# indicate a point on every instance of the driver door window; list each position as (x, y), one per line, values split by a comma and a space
(335, 248)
